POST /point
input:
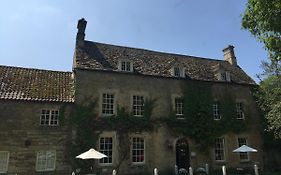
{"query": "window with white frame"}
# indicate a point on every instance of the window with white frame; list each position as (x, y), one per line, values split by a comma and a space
(107, 103)
(138, 105)
(49, 117)
(239, 111)
(106, 148)
(178, 71)
(46, 160)
(243, 156)
(219, 149)
(4, 161)
(216, 110)
(138, 150)
(179, 107)
(224, 76)
(126, 65)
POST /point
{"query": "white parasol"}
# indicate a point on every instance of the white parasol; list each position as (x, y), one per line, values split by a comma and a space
(91, 154)
(244, 149)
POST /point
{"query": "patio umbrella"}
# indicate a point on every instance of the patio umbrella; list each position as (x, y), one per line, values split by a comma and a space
(91, 154)
(244, 149)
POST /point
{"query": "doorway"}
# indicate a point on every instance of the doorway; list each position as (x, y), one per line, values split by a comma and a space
(182, 154)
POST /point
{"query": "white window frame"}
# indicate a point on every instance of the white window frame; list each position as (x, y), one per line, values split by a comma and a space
(180, 69)
(106, 150)
(4, 161)
(179, 107)
(216, 111)
(44, 160)
(224, 76)
(137, 148)
(244, 157)
(138, 102)
(239, 106)
(125, 65)
(53, 117)
(219, 149)
(106, 106)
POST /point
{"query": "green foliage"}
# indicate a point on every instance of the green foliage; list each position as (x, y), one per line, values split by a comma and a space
(262, 18)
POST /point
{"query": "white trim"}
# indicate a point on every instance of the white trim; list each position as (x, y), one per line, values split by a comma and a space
(38, 169)
(144, 150)
(114, 92)
(50, 110)
(224, 155)
(5, 170)
(126, 61)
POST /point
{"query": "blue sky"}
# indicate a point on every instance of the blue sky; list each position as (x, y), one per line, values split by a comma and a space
(41, 34)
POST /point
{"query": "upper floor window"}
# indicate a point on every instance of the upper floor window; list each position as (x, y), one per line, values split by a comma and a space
(179, 107)
(138, 105)
(46, 160)
(239, 111)
(216, 111)
(125, 65)
(107, 104)
(243, 156)
(49, 117)
(219, 149)
(138, 150)
(4, 161)
(106, 148)
(178, 71)
(224, 76)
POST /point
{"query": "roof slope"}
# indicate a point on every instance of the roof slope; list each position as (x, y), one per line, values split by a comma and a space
(34, 84)
(98, 56)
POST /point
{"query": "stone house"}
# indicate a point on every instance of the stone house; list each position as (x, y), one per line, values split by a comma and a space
(151, 109)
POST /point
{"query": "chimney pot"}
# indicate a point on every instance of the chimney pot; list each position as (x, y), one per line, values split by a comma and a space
(81, 26)
(229, 56)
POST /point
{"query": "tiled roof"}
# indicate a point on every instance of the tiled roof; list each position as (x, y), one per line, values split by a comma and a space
(98, 56)
(34, 84)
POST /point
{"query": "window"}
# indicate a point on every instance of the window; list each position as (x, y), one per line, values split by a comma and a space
(106, 148)
(224, 76)
(219, 149)
(178, 72)
(46, 161)
(125, 65)
(216, 111)
(239, 111)
(4, 161)
(243, 156)
(107, 104)
(179, 107)
(138, 150)
(49, 117)
(138, 105)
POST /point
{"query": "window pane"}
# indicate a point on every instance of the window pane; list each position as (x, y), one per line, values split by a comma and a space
(4, 159)
(179, 107)
(138, 105)
(219, 149)
(138, 150)
(107, 104)
(45, 161)
(106, 148)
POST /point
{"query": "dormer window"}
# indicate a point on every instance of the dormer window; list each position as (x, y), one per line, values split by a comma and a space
(224, 76)
(178, 71)
(125, 65)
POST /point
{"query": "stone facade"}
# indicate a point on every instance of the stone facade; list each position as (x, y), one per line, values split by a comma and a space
(110, 76)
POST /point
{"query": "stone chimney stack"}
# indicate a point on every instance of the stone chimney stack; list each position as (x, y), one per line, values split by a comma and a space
(81, 26)
(228, 54)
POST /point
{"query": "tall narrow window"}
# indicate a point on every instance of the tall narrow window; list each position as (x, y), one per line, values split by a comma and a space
(138, 150)
(219, 149)
(224, 76)
(216, 111)
(177, 72)
(106, 148)
(49, 117)
(138, 105)
(4, 161)
(243, 156)
(179, 107)
(46, 161)
(239, 111)
(107, 104)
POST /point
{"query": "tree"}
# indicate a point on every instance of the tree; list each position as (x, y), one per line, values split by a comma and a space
(262, 18)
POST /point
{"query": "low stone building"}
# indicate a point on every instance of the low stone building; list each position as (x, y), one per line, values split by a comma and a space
(143, 109)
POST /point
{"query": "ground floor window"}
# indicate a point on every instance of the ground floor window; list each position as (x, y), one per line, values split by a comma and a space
(4, 160)
(243, 156)
(138, 150)
(46, 160)
(219, 149)
(106, 148)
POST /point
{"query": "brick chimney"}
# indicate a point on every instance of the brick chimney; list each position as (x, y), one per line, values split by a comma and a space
(81, 26)
(228, 54)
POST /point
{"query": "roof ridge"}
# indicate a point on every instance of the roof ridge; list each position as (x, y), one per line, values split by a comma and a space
(155, 51)
(36, 69)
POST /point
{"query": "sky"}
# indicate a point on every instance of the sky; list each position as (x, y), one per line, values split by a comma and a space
(41, 33)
